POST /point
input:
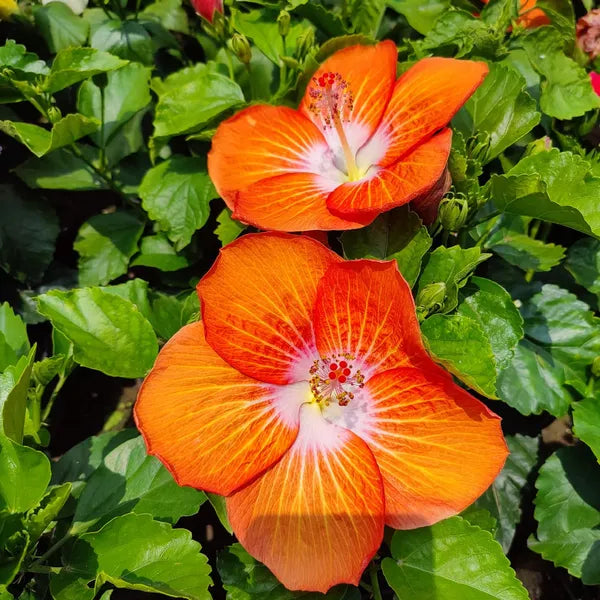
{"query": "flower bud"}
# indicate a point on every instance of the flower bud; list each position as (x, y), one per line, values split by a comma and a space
(54, 114)
(426, 205)
(207, 8)
(453, 213)
(283, 21)
(241, 47)
(304, 44)
(540, 145)
(587, 32)
(430, 299)
(595, 79)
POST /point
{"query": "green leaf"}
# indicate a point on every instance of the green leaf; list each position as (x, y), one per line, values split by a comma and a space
(420, 15)
(480, 517)
(28, 232)
(534, 383)
(105, 243)
(566, 88)
(170, 13)
(366, 15)
(220, 507)
(40, 517)
(135, 291)
(60, 27)
(176, 194)
(450, 560)
(451, 266)
(134, 552)
(228, 229)
(397, 235)
(500, 108)
(108, 333)
(586, 423)
(72, 65)
(552, 186)
(62, 170)
(567, 508)
(125, 39)
(461, 345)
(24, 476)
(583, 262)
(557, 321)
(190, 98)
(128, 480)
(63, 133)
(15, 56)
(14, 383)
(245, 578)
(12, 555)
(491, 306)
(505, 497)
(157, 252)
(14, 333)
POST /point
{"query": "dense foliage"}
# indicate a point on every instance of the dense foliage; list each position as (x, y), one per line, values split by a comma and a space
(108, 218)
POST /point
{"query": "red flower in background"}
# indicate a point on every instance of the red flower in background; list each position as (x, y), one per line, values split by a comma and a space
(306, 397)
(360, 143)
(207, 8)
(588, 33)
(595, 79)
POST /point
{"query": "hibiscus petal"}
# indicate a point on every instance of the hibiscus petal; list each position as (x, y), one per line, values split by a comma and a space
(316, 517)
(400, 183)
(260, 142)
(294, 202)
(437, 447)
(365, 308)
(424, 100)
(257, 304)
(214, 428)
(370, 72)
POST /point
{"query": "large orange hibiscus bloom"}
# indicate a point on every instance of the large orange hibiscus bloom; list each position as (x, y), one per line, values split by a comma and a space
(360, 143)
(306, 397)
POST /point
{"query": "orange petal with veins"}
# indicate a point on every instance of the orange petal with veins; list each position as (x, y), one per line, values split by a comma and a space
(214, 428)
(257, 302)
(315, 518)
(437, 447)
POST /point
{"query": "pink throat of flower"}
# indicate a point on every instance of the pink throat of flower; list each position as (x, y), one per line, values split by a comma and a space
(335, 379)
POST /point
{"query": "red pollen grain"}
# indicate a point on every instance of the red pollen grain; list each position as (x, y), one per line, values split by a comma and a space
(332, 375)
(333, 367)
(342, 379)
(343, 364)
(346, 372)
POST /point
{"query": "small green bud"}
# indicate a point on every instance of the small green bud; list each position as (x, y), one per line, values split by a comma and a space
(596, 367)
(54, 114)
(541, 145)
(288, 61)
(241, 47)
(430, 299)
(304, 44)
(453, 213)
(283, 21)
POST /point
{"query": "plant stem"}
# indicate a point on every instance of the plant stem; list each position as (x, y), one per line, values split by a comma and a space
(61, 381)
(43, 569)
(229, 62)
(375, 581)
(56, 546)
(102, 140)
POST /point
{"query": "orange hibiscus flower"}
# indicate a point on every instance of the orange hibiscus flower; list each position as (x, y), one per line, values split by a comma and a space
(359, 144)
(306, 397)
(529, 16)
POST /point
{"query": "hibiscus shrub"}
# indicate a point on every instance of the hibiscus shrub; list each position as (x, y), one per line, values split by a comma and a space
(298, 299)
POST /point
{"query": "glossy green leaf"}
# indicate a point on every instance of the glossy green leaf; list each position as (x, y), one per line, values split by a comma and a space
(135, 291)
(168, 12)
(553, 186)
(156, 251)
(176, 194)
(228, 229)
(504, 499)
(108, 333)
(567, 508)
(583, 262)
(451, 266)
(500, 108)
(129, 480)
(134, 552)
(24, 476)
(204, 93)
(586, 423)
(105, 243)
(491, 306)
(28, 232)
(12, 554)
(220, 507)
(125, 39)
(420, 15)
(72, 65)
(13, 335)
(169, 313)
(245, 578)
(60, 27)
(40, 517)
(63, 133)
(397, 235)
(451, 560)
(366, 15)
(480, 517)
(462, 346)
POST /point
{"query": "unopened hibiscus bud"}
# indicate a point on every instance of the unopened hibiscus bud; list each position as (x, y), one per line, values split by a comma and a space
(588, 33)
(595, 79)
(241, 47)
(207, 8)
(283, 21)
(541, 145)
(7, 9)
(54, 114)
(453, 213)
(304, 44)
(430, 299)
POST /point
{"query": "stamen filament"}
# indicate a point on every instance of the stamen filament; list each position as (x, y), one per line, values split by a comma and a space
(353, 173)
